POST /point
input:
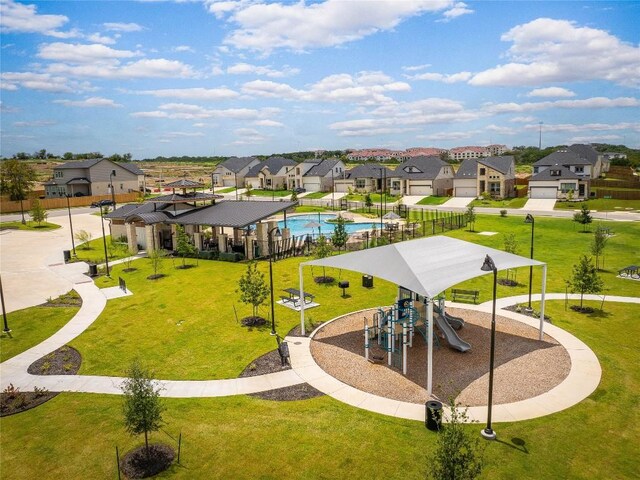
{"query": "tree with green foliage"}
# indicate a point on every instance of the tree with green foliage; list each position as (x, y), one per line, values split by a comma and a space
(458, 454)
(340, 235)
(156, 256)
(184, 247)
(248, 191)
(585, 278)
(16, 180)
(294, 196)
(253, 288)
(583, 217)
(368, 202)
(511, 246)
(323, 249)
(471, 217)
(38, 212)
(83, 238)
(600, 239)
(142, 407)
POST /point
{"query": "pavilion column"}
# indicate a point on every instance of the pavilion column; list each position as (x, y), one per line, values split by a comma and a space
(197, 240)
(174, 237)
(430, 346)
(237, 236)
(132, 237)
(302, 302)
(222, 242)
(248, 246)
(261, 237)
(150, 236)
(544, 288)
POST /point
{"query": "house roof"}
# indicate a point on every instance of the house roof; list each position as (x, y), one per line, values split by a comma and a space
(272, 164)
(565, 174)
(500, 164)
(235, 164)
(585, 151)
(367, 170)
(562, 157)
(78, 181)
(468, 169)
(321, 169)
(419, 168)
(93, 161)
(184, 183)
(183, 197)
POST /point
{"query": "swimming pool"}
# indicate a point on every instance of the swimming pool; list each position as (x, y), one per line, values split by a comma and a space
(297, 224)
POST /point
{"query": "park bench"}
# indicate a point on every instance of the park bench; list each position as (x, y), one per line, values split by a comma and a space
(468, 295)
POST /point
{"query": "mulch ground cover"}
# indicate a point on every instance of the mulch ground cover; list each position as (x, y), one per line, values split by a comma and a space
(270, 363)
(136, 463)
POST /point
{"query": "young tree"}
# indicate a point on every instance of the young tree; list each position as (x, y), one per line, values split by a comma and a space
(583, 217)
(253, 288)
(600, 239)
(368, 202)
(511, 246)
(142, 408)
(83, 237)
(294, 196)
(585, 278)
(323, 249)
(340, 235)
(248, 191)
(16, 180)
(458, 453)
(157, 258)
(38, 213)
(471, 217)
(183, 244)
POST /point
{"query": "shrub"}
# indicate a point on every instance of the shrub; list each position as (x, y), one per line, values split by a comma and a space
(503, 213)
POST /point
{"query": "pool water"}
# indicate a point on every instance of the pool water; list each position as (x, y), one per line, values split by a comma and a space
(297, 224)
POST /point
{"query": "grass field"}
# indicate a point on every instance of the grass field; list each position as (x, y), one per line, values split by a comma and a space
(93, 250)
(29, 225)
(270, 193)
(506, 203)
(433, 200)
(601, 204)
(313, 195)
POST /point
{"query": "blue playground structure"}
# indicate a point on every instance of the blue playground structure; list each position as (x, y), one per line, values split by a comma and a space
(393, 328)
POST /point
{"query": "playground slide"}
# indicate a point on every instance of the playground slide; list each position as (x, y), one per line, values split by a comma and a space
(450, 334)
(456, 322)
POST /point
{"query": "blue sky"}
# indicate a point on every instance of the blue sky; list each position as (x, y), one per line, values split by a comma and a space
(250, 77)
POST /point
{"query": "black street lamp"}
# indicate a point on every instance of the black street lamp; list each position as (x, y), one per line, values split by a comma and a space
(73, 243)
(104, 241)
(489, 266)
(270, 238)
(113, 189)
(6, 328)
(235, 176)
(529, 219)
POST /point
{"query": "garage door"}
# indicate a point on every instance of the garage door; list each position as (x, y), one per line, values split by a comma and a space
(543, 192)
(311, 186)
(465, 192)
(420, 190)
(342, 187)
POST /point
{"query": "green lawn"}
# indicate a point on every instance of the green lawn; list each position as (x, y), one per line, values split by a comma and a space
(313, 195)
(31, 326)
(309, 209)
(226, 190)
(375, 197)
(601, 204)
(93, 251)
(246, 438)
(433, 200)
(270, 193)
(33, 226)
(506, 203)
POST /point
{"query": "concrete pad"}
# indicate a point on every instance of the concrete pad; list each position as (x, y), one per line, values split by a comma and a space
(540, 204)
(115, 292)
(458, 202)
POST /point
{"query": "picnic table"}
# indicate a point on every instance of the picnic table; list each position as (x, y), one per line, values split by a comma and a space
(630, 271)
(294, 296)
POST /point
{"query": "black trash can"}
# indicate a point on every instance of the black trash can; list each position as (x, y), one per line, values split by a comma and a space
(93, 270)
(433, 415)
(67, 255)
(367, 281)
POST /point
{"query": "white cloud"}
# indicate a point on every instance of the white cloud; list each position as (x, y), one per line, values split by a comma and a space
(415, 68)
(97, 38)
(91, 102)
(40, 81)
(502, 130)
(268, 123)
(594, 102)
(183, 134)
(183, 48)
(523, 119)
(122, 27)
(571, 127)
(267, 71)
(207, 94)
(547, 50)
(184, 111)
(35, 123)
(442, 77)
(551, 92)
(87, 54)
(21, 18)
(299, 26)
(594, 138)
(443, 136)
(249, 136)
(145, 68)
(458, 10)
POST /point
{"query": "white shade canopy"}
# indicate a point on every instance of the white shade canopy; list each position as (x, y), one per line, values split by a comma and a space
(426, 266)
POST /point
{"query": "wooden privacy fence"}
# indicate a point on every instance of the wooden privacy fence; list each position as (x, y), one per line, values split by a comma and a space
(618, 194)
(50, 203)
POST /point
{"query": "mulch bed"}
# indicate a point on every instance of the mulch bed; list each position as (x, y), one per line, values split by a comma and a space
(135, 463)
(270, 363)
(579, 309)
(528, 313)
(64, 361)
(17, 401)
(156, 276)
(321, 280)
(253, 321)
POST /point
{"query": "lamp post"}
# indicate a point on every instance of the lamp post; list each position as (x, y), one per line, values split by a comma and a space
(73, 243)
(529, 219)
(6, 328)
(333, 190)
(113, 189)
(270, 238)
(104, 242)
(235, 176)
(489, 266)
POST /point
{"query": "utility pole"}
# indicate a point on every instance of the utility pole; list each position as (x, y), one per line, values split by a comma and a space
(540, 138)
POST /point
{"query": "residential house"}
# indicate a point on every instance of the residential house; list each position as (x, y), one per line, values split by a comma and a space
(94, 177)
(272, 174)
(321, 176)
(421, 176)
(363, 178)
(462, 153)
(557, 181)
(379, 155)
(577, 163)
(494, 175)
(232, 171)
(599, 161)
(465, 181)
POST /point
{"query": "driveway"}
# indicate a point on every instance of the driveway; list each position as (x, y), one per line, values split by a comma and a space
(25, 256)
(540, 204)
(458, 202)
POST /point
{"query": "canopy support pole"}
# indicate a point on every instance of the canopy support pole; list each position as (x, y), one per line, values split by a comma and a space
(301, 302)
(544, 288)
(430, 346)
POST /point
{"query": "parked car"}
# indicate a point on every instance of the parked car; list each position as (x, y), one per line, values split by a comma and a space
(102, 203)
(299, 190)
